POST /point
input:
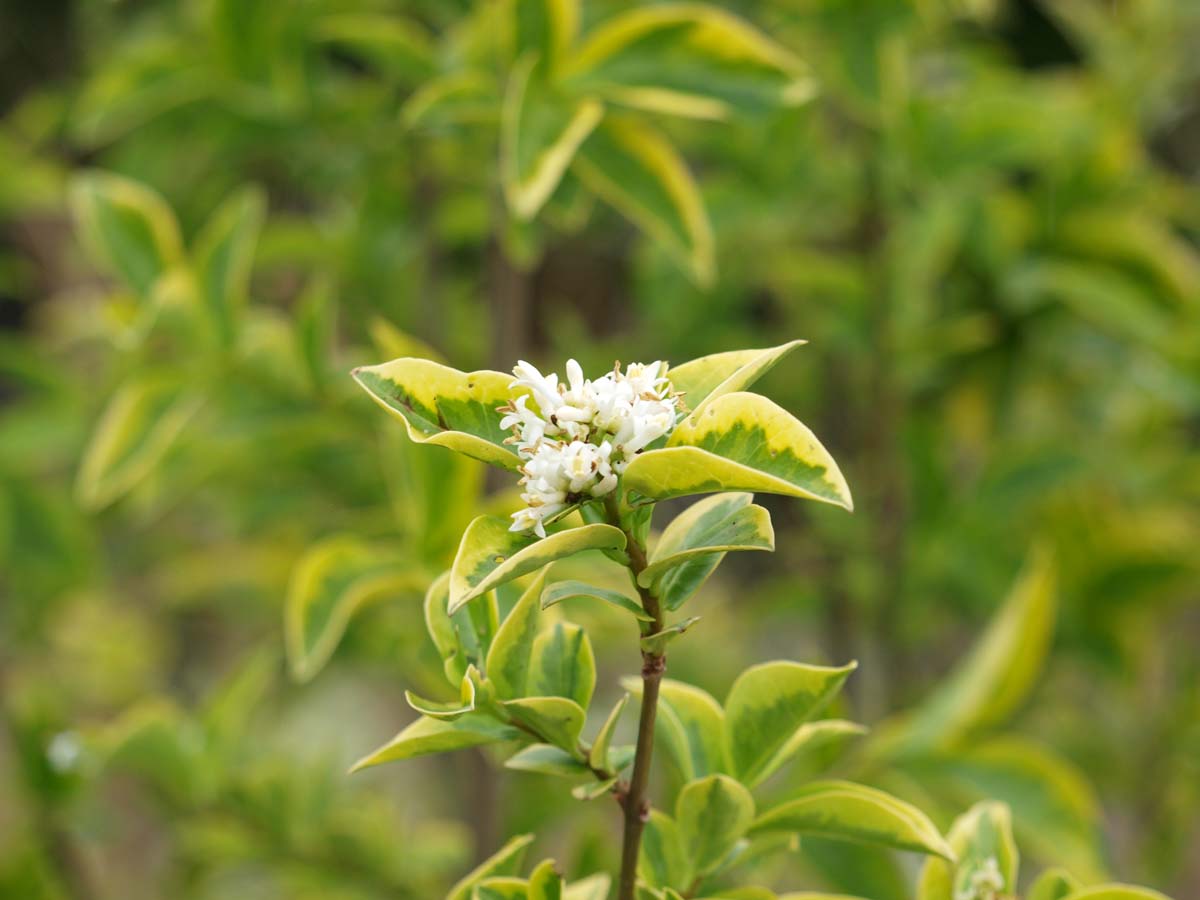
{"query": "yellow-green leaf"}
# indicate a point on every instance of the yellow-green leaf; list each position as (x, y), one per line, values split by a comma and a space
(546, 28)
(687, 59)
(808, 736)
(555, 719)
(766, 706)
(598, 754)
(712, 813)
(640, 174)
(657, 643)
(443, 406)
(331, 582)
(594, 887)
(501, 889)
(1117, 892)
(127, 227)
(140, 424)
(690, 726)
(397, 46)
(545, 883)
(662, 859)
(983, 845)
(712, 525)
(449, 710)
(426, 736)
(740, 442)
(541, 130)
(490, 555)
(464, 638)
(566, 590)
(547, 759)
(223, 256)
(509, 656)
(1053, 884)
(854, 812)
(504, 862)
(562, 664)
(706, 378)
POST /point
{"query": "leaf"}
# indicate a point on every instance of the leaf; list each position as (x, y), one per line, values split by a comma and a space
(545, 883)
(808, 736)
(547, 759)
(1117, 892)
(1053, 884)
(656, 643)
(223, 255)
(540, 134)
(767, 704)
(1001, 668)
(740, 442)
(706, 378)
(464, 638)
(982, 842)
(137, 429)
(426, 736)
(490, 555)
(680, 584)
(127, 227)
(554, 719)
(598, 754)
(509, 656)
(854, 812)
(562, 664)
(567, 590)
(332, 581)
(662, 859)
(456, 98)
(641, 175)
(690, 726)
(546, 28)
(443, 406)
(501, 889)
(448, 710)
(504, 862)
(713, 813)
(594, 887)
(394, 45)
(687, 59)
(715, 524)
(593, 790)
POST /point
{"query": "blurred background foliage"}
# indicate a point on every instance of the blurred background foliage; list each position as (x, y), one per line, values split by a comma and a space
(983, 216)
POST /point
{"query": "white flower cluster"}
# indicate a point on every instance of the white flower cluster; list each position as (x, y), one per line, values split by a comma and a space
(985, 883)
(577, 438)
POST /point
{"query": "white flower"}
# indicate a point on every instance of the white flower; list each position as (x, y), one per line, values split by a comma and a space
(985, 883)
(583, 433)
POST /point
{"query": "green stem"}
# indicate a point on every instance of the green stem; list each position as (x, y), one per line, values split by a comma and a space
(634, 801)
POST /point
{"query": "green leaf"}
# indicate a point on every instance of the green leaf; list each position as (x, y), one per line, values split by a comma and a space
(541, 130)
(1001, 669)
(224, 254)
(809, 895)
(127, 227)
(853, 812)
(1117, 892)
(509, 656)
(662, 859)
(554, 719)
(443, 406)
(456, 98)
(547, 759)
(687, 59)
(332, 581)
(598, 754)
(137, 429)
(706, 378)
(426, 736)
(546, 28)
(594, 887)
(462, 639)
(715, 524)
(713, 813)
(983, 844)
(594, 789)
(490, 555)
(545, 883)
(447, 710)
(740, 442)
(657, 643)
(567, 590)
(504, 862)
(394, 45)
(681, 583)
(562, 664)
(640, 174)
(808, 736)
(766, 706)
(1053, 884)
(501, 889)
(690, 726)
